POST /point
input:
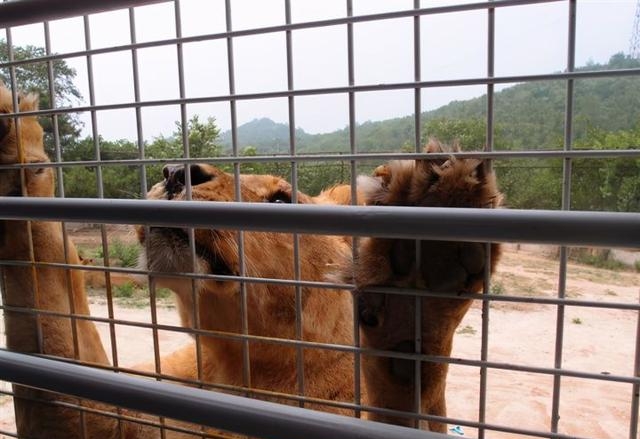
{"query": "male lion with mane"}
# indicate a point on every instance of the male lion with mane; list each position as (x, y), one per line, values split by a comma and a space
(214, 304)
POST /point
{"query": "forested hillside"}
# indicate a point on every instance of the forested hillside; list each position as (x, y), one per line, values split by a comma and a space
(531, 116)
(527, 116)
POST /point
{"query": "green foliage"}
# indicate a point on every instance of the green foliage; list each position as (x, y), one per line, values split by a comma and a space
(118, 181)
(608, 184)
(468, 132)
(599, 259)
(203, 143)
(125, 181)
(203, 137)
(637, 266)
(34, 77)
(467, 329)
(126, 253)
(126, 290)
(162, 293)
(497, 288)
(576, 321)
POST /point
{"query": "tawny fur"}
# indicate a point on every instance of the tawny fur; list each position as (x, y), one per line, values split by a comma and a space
(327, 315)
(387, 320)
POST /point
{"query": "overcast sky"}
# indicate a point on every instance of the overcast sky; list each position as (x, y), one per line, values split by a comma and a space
(529, 39)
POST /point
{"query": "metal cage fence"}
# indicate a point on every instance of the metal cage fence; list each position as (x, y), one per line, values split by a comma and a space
(564, 228)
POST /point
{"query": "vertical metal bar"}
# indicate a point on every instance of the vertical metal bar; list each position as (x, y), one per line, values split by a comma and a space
(357, 391)
(57, 149)
(96, 147)
(186, 148)
(186, 153)
(417, 74)
(484, 346)
(635, 391)
(294, 199)
(136, 96)
(23, 184)
(246, 360)
(566, 205)
(60, 188)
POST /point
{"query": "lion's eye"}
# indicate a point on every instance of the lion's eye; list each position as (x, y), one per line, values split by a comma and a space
(40, 171)
(279, 197)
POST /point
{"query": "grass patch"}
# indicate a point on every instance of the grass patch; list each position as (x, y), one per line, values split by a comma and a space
(598, 258)
(126, 290)
(132, 295)
(162, 293)
(468, 329)
(497, 288)
(126, 253)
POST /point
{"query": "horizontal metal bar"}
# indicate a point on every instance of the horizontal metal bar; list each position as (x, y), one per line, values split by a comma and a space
(113, 415)
(310, 158)
(631, 306)
(341, 348)
(226, 412)
(24, 16)
(442, 224)
(20, 12)
(342, 90)
(334, 347)
(461, 422)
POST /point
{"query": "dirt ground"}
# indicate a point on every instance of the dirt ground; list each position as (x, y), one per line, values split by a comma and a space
(596, 340)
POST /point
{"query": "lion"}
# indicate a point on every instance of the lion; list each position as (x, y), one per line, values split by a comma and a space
(250, 323)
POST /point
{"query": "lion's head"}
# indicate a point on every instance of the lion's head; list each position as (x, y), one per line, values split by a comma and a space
(21, 142)
(266, 255)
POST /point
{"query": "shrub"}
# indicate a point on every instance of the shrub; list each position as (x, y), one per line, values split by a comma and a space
(125, 290)
(497, 288)
(126, 253)
(601, 260)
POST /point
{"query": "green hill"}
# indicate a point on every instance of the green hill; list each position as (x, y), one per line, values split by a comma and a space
(527, 116)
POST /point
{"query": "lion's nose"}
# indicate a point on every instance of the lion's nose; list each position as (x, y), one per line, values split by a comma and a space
(175, 180)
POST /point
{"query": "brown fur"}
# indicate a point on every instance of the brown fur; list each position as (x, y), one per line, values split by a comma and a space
(387, 320)
(48, 289)
(271, 308)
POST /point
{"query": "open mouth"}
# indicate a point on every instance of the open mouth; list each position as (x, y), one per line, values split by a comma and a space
(216, 262)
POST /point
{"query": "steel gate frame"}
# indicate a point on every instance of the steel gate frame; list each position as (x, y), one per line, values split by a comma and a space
(564, 228)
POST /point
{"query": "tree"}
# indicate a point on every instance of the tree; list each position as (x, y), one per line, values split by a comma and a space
(203, 143)
(34, 77)
(118, 181)
(469, 133)
(611, 184)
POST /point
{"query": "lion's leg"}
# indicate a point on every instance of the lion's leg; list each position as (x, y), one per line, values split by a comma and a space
(26, 289)
(388, 321)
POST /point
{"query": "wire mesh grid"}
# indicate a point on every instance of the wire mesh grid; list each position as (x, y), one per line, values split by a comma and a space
(481, 378)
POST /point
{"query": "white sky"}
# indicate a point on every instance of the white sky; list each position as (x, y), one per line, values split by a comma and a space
(529, 39)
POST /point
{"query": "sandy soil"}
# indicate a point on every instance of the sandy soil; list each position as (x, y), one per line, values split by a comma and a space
(596, 340)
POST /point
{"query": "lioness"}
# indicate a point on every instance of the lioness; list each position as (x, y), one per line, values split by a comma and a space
(265, 311)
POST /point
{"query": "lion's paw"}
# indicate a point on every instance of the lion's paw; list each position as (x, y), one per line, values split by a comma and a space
(440, 182)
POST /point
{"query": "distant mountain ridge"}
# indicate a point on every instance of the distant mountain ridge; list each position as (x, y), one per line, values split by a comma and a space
(529, 115)
(264, 134)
